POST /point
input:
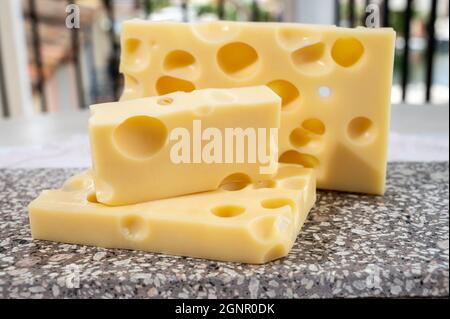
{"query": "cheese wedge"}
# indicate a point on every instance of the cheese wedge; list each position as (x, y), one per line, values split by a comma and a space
(335, 85)
(183, 143)
(249, 223)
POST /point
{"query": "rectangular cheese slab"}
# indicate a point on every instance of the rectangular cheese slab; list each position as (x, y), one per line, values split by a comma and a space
(162, 147)
(335, 85)
(254, 223)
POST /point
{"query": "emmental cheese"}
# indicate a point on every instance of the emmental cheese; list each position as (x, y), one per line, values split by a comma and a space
(334, 83)
(250, 223)
(183, 143)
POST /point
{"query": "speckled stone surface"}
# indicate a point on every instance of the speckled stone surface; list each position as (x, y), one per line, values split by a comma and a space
(351, 246)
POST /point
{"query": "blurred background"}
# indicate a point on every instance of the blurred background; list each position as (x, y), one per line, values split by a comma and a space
(46, 68)
(61, 79)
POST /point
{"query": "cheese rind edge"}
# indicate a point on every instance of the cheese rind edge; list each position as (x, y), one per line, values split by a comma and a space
(256, 224)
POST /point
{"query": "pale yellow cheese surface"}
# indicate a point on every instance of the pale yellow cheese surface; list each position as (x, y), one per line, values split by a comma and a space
(334, 82)
(133, 147)
(250, 223)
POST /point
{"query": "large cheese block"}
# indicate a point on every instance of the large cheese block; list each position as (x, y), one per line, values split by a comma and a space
(254, 224)
(183, 143)
(335, 85)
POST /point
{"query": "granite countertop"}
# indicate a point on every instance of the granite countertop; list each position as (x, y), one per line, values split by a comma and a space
(351, 246)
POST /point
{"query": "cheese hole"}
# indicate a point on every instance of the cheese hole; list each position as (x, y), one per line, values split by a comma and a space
(275, 252)
(104, 190)
(361, 129)
(294, 157)
(347, 51)
(235, 182)
(301, 137)
(204, 110)
(134, 228)
(168, 84)
(265, 184)
(215, 32)
(131, 81)
(136, 56)
(310, 59)
(92, 198)
(276, 203)
(181, 63)
(140, 137)
(132, 87)
(165, 101)
(267, 227)
(286, 90)
(315, 126)
(294, 183)
(131, 46)
(178, 59)
(238, 60)
(291, 38)
(228, 211)
(325, 91)
(264, 228)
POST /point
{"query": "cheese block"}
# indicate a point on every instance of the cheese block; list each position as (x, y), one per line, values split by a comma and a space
(183, 143)
(253, 223)
(334, 83)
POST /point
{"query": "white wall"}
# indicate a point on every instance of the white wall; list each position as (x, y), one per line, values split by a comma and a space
(1, 98)
(309, 11)
(15, 61)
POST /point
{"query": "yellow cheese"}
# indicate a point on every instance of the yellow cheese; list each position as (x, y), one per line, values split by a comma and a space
(155, 148)
(334, 82)
(255, 223)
